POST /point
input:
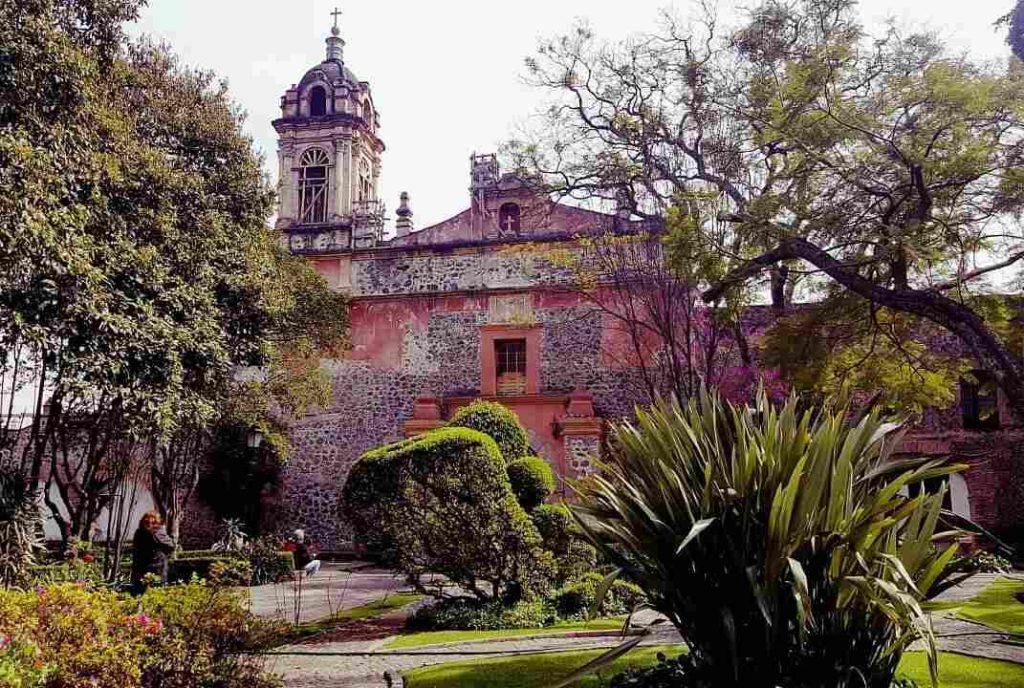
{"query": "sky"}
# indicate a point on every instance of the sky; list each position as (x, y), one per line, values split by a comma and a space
(447, 76)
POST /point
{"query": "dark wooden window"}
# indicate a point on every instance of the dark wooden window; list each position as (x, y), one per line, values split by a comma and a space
(317, 101)
(510, 363)
(933, 486)
(979, 401)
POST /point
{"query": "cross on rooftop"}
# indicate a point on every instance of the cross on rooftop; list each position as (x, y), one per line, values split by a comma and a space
(336, 13)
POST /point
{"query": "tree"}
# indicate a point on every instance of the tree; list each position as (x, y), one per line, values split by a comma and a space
(884, 163)
(645, 283)
(138, 270)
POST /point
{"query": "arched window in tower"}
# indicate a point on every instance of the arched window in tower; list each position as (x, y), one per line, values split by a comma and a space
(314, 169)
(508, 218)
(317, 101)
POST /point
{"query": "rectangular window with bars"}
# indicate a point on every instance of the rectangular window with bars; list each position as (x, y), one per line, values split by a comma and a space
(510, 359)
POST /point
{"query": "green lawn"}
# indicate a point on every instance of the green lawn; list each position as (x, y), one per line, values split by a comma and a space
(381, 605)
(957, 671)
(997, 607)
(527, 671)
(408, 640)
(538, 670)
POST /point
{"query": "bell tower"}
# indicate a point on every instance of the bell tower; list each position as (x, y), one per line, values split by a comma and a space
(329, 158)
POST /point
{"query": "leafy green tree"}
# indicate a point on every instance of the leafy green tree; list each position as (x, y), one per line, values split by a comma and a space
(137, 270)
(885, 164)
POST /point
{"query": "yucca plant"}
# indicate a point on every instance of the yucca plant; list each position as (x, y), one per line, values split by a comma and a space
(779, 541)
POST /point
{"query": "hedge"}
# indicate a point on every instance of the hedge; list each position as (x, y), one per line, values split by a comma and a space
(442, 502)
(532, 481)
(497, 422)
(199, 563)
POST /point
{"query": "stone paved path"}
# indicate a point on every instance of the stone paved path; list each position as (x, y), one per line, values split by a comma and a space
(969, 638)
(335, 587)
(366, 664)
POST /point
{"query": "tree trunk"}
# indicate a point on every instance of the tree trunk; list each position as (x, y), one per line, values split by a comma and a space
(959, 320)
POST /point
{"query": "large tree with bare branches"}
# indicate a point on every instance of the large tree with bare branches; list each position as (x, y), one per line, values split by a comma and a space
(884, 164)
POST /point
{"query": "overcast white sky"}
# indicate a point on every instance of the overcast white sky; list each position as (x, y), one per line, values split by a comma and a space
(447, 76)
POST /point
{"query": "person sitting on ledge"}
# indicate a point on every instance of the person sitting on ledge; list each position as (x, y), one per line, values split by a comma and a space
(304, 552)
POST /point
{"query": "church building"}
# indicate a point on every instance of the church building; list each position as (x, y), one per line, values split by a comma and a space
(465, 309)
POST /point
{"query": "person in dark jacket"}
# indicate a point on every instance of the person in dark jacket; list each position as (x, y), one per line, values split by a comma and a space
(151, 551)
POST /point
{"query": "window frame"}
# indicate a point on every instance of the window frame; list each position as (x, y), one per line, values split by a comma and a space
(489, 336)
(314, 189)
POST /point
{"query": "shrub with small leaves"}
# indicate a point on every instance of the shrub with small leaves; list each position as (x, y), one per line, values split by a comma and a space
(532, 481)
(575, 599)
(441, 502)
(230, 572)
(497, 422)
(573, 556)
(463, 614)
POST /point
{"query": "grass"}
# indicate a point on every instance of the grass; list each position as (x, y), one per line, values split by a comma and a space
(409, 640)
(957, 671)
(377, 607)
(528, 671)
(537, 670)
(997, 607)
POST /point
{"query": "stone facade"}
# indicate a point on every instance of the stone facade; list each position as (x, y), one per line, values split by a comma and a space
(432, 309)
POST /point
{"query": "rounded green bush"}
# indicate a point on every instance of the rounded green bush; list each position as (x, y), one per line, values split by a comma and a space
(532, 481)
(574, 600)
(497, 421)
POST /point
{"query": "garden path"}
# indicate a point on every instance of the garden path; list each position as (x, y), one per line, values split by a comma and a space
(967, 637)
(363, 664)
(335, 587)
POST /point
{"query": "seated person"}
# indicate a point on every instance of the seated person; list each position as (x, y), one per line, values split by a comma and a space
(304, 553)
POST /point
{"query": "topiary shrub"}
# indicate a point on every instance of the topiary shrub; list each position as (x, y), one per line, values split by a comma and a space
(575, 599)
(573, 556)
(441, 502)
(497, 422)
(532, 481)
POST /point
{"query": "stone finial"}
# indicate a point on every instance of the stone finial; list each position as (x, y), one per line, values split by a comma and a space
(403, 225)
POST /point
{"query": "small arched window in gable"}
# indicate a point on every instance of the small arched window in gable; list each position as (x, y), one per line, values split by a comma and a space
(317, 101)
(509, 218)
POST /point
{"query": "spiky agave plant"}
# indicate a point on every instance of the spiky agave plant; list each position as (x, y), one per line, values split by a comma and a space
(777, 540)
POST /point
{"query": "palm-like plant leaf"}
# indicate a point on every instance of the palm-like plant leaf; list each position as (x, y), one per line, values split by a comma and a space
(780, 542)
